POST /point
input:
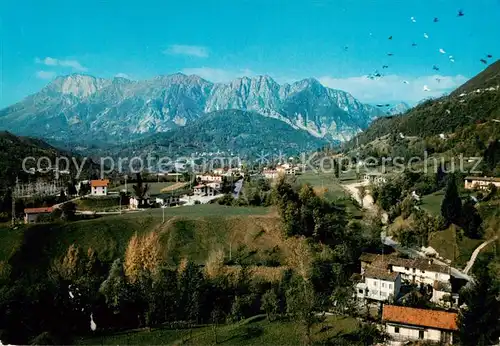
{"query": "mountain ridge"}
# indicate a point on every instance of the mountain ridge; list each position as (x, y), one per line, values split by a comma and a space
(79, 105)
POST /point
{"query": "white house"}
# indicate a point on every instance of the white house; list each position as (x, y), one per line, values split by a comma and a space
(209, 177)
(136, 203)
(379, 284)
(375, 178)
(204, 190)
(414, 270)
(420, 270)
(406, 324)
(99, 187)
(287, 169)
(443, 295)
(167, 200)
(270, 173)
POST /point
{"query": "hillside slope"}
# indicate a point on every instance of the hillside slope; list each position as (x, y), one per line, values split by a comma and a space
(477, 101)
(14, 149)
(229, 131)
(194, 232)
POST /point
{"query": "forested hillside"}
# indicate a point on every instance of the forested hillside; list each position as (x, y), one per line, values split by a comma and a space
(476, 102)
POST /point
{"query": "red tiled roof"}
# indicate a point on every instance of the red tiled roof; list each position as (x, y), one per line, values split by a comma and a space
(420, 317)
(199, 186)
(38, 210)
(99, 183)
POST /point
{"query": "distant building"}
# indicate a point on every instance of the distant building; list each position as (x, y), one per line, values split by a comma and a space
(99, 187)
(407, 324)
(137, 203)
(375, 178)
(220, 171)
(167, 200)
(209, 177)
(287, 169)
(481, 182)
(379, 284)
(31, 214)
(215, 185)
(270, 173)
(204, 190)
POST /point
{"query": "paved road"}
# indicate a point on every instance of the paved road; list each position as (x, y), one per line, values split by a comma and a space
(237, 188)
(58, 205)
(476, 252)
(353, 190)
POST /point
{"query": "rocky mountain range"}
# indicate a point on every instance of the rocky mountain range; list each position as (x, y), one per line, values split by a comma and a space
(81, 107)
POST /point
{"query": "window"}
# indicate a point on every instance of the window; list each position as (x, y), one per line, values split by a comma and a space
(374, 283)
(406, 268)
(420, 334)
(383, 284)
(360, 291)
(414, 270)
(423, 271)
(390, 286)
(396, 330)
(437, 275)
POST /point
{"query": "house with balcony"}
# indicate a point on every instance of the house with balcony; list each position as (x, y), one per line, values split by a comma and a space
(404, 324)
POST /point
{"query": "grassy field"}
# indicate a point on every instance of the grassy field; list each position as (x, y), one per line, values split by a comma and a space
(252, 233)
(449, 245)
(105, 203)
(253, 331)
(324, 183)
(432, 203)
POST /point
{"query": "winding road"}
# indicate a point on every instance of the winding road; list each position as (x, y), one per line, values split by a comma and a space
(476, 252)
(369, 205)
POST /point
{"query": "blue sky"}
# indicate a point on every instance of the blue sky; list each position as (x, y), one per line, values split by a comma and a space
(223, 39)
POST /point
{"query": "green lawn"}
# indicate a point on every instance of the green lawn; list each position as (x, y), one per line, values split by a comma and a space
(325, 181)
(432, 203)
(448, 244)
(253, 331)
(104, 203)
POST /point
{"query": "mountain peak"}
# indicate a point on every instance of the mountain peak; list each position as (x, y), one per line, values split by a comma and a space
(78, 85)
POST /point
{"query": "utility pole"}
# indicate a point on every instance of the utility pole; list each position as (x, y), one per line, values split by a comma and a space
(13, 197)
